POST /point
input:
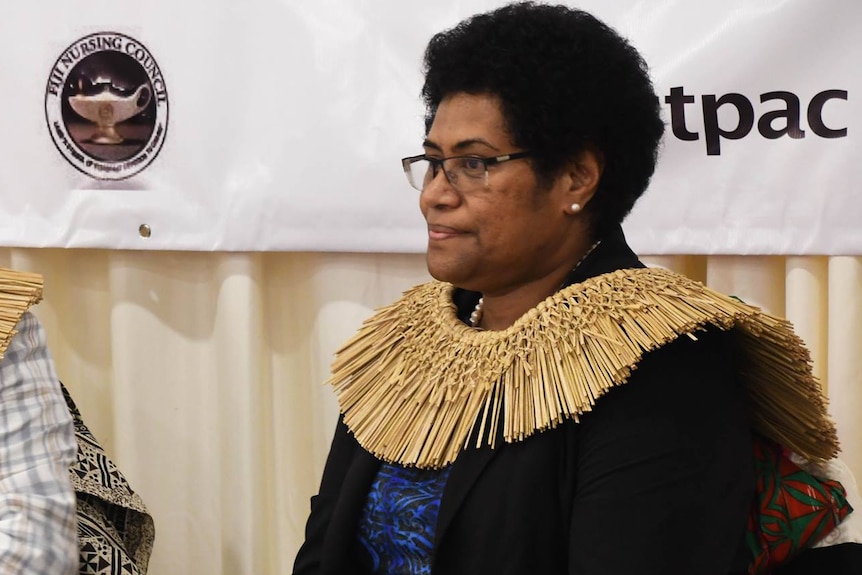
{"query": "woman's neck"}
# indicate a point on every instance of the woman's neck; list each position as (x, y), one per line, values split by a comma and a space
(498, 311)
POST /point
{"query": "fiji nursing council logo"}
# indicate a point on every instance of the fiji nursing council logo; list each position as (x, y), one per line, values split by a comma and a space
(107, 106)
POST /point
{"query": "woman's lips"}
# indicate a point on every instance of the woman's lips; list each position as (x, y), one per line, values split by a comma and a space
(437, 232)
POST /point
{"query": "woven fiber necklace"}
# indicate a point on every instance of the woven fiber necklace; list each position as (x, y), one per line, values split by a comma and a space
(415, 381)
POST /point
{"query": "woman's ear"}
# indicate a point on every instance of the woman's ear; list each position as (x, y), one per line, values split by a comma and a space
(584, 172)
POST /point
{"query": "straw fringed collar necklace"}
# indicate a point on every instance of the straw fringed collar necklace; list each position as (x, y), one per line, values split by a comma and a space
(415, 382)
(18, 291)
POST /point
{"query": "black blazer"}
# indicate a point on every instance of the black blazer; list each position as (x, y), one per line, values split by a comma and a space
(657, 479)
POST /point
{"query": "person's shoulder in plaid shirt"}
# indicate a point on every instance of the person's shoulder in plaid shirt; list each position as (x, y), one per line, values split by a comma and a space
(37, 446)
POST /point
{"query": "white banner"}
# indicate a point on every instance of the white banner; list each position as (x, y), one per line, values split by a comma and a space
(279, 124)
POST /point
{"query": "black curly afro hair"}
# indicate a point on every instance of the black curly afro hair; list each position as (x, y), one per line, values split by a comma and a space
(567, 82)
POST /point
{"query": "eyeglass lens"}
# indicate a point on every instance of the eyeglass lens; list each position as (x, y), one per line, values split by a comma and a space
(464, 174)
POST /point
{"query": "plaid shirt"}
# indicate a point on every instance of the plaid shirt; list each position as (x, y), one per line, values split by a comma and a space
(37, 447)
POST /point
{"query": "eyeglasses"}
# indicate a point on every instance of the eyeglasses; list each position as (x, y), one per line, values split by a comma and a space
(464, 173)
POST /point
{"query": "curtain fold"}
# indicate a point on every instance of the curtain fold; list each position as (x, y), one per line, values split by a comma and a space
(844, 355)
(201, 373)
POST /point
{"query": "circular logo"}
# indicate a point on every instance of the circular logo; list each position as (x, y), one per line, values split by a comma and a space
(107, 106)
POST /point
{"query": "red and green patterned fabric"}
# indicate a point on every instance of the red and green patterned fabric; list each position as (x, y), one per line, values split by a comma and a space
(792, 509)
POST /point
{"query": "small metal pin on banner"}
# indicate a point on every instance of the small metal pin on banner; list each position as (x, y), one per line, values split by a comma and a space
(145, 231)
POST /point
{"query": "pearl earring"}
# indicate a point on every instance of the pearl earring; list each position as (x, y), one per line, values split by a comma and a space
(575, 208)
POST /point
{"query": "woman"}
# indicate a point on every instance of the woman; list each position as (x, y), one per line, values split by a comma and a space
(535, 410)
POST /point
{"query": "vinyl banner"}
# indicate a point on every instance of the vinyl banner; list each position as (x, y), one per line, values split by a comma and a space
(279, 124)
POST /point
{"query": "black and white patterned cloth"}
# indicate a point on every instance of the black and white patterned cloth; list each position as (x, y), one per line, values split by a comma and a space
(115, 532)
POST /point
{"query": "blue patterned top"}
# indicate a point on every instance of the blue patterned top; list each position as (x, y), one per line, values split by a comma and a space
(400, 517)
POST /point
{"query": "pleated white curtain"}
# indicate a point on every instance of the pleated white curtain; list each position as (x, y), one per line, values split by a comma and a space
(201, 373)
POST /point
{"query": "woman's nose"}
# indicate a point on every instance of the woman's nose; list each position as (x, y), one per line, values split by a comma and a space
(438, 192)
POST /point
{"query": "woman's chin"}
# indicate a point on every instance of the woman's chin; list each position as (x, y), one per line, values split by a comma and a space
(445, 269)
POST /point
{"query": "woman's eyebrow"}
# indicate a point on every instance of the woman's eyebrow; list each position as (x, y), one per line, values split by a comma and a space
(462, 145)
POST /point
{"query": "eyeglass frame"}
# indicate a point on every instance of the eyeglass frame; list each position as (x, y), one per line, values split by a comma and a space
(437, 165)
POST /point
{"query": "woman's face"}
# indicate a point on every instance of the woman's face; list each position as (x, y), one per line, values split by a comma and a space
(499, 237)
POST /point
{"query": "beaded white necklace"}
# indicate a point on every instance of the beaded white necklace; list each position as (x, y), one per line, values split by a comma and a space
(476, 314)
